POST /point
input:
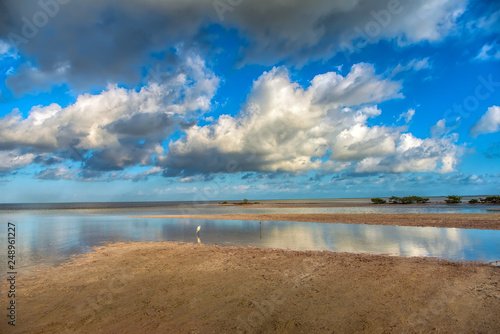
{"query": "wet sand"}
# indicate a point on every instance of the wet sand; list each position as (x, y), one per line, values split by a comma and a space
(292, 204)
(167, 287)
(488, 221)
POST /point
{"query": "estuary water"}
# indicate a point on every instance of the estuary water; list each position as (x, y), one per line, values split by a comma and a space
(49, 237)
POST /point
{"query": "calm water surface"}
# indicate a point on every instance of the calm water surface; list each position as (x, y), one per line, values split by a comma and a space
(48, 238)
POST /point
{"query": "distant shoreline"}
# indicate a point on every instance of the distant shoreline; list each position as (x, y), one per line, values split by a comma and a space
(270, 203)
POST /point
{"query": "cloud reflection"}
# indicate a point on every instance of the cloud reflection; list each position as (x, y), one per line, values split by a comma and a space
(51, 238)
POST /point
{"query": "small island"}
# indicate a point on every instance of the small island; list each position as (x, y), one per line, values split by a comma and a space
(244, 202)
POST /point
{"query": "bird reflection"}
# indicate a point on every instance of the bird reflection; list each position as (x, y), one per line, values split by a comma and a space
(198, 234)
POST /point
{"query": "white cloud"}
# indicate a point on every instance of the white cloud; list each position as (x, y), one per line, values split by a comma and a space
(58, 173)
(6, 50)
(116, 128)
(430, 20)
(4, 47)
(360, 141)
(407, 116)
(488, 123)
(143, 175)
(335, 166)
(13, 159)
(360, 86)
(440, 128)
(188, 179)
(241, 187)
(284, 127)
(489, 52)
(415, 155)
(414, 65)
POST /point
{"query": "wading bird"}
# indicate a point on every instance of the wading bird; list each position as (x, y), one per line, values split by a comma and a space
(198, 229)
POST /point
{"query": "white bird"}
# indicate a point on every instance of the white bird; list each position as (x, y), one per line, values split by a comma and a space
(198, 229)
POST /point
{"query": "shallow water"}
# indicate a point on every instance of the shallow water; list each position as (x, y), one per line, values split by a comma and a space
(50, 238)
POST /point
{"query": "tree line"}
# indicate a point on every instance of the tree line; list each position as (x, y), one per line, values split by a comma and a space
(451, 199)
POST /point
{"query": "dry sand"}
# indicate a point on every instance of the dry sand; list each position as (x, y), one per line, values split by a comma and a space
(172, 288)
(488, 221)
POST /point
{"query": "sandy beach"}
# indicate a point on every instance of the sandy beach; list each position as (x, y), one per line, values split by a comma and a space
(167, 287)
(488, 221)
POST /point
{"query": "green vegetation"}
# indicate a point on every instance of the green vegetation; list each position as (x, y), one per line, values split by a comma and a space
(245, 201)
(408, 200)
(490, 199)
(378, 201)
(453, 199)
(394, 200)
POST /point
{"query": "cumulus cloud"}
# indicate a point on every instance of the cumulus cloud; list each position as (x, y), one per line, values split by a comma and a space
(115, 38)
(360, 86)
(282, 127)
(360, 141)
(285, 127)
(116, 128)
(413, 154)
(488, 123)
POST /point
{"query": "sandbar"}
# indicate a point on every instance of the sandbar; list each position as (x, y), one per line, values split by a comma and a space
(166, 287)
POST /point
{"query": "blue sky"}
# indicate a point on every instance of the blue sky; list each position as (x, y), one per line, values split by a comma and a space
(214, 100)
